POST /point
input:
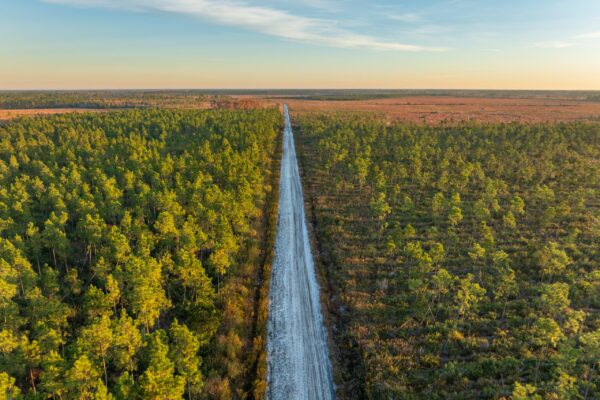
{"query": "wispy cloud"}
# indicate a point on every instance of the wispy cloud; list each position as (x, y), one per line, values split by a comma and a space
(576, 40)
(326, 5)
(557, 44)
(589, 35)
(267, 20)
(408, 17)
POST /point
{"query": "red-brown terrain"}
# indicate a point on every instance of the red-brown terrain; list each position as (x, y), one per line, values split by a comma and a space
(434, 109)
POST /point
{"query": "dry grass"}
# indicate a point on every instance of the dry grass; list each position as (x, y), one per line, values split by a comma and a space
(435, 110)
(10, 114)
(243, 102)
(420, 109)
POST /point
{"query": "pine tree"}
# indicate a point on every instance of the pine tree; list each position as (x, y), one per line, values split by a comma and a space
(159, 382)
(184, 351)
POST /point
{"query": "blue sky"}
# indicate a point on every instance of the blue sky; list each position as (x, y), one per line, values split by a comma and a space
(510, 44)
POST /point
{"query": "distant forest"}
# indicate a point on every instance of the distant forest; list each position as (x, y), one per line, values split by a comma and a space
(102, 99)
(99, 99)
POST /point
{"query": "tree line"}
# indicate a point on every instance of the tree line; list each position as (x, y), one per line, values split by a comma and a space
(103, 99)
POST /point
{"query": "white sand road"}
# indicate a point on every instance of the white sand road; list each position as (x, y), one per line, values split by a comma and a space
(298, 358)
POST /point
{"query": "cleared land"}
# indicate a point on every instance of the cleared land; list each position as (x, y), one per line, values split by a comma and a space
(438, 109)
(10, 114)
(425, 107)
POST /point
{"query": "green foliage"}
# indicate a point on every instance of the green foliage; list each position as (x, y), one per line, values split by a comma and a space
(159, 382)
(113, 228)
(184, 351)
(8, 389)
(525, 392)
(551, 260)
(468, 296)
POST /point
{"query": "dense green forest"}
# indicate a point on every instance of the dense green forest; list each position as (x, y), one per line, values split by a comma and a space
(462, 261)
(130, 245)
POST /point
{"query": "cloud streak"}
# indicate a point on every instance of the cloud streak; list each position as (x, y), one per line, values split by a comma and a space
(408, 17)
(266, 20)
(589, 35)
(573, 41)
(557, 44)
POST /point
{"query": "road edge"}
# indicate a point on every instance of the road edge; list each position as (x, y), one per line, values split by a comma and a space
(258, 357)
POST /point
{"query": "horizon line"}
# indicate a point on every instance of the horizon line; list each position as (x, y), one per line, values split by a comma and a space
(266, 89)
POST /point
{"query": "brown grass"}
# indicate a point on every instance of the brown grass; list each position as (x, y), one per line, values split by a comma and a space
(238, 102)
(420, 109)
(10, 114)
(435, 110)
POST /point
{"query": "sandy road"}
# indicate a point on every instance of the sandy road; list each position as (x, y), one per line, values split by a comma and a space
(298, 358)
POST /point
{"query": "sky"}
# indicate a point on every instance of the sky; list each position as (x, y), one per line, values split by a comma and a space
(247, 44)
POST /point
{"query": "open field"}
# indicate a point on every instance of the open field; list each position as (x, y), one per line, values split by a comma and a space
(430, 107)
(20, 104)
(438, 109)
(10, 114)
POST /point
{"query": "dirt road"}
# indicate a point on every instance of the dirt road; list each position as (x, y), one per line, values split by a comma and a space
(298, 357)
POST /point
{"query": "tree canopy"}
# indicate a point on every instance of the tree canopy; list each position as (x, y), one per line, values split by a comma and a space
(115, 231)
